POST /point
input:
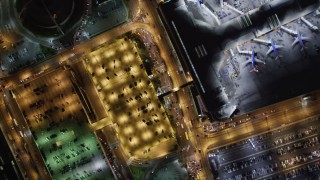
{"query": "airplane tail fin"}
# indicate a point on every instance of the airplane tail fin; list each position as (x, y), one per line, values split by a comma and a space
(254, 70)
(303, 49)
(279, 57)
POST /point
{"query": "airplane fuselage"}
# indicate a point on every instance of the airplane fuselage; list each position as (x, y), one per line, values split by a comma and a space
(253, 62)
(273, 45)
(199, 2)
(300, 40)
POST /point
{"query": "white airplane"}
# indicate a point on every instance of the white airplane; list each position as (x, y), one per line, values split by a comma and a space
(253, 60)
(273, 46)
(199, 3)
(299, 38)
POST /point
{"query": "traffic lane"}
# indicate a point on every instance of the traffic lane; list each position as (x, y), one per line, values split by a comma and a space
(280, 132)
(187, 148)
(257, 119)
(110, 135)
(258, 128)
(271, 139)
(163, 43)
(231, 153)
(7, 158)
(90, 91)
(16, 144)
(188, 116)
(35, 153)
(272, 110)
(110, 160)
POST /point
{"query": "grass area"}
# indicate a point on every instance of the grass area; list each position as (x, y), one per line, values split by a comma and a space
(47, 52)
(171, 171)
(138, 172)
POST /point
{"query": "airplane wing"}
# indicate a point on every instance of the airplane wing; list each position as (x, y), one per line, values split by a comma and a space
(305, 38)
(269, 51)
(246, 63)
(295, 42)
(259, 61)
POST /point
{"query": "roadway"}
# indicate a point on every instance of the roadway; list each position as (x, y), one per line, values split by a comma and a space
(33, 152)
(192, 121)
(16, 144)
(90, 92)
(114, 154)
(8, 167)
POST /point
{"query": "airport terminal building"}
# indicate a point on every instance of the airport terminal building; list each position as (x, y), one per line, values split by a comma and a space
(225, 48)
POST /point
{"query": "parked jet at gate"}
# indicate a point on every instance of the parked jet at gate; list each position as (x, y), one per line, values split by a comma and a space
(300, 39)
(199, 2)
(253, 59)
(273, 46)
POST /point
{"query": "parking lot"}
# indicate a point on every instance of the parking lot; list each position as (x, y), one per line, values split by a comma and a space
(60, 128)
(129, 97)
(105, 14)
(290, 152)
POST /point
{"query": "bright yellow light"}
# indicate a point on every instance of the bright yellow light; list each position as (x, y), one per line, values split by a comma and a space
(134, 141)
(147, 135)
(109, 53)
(95, 60)
(135, 68)
(123, 119)
(130, 57)
(124, 46)
(159, 128)
(104, 82)
(95, 81)
(112, 97)
(99, 71)
(128, 130)
(141, 125)
(26, 75)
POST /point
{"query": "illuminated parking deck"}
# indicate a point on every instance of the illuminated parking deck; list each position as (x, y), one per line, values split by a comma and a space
(129, 99)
